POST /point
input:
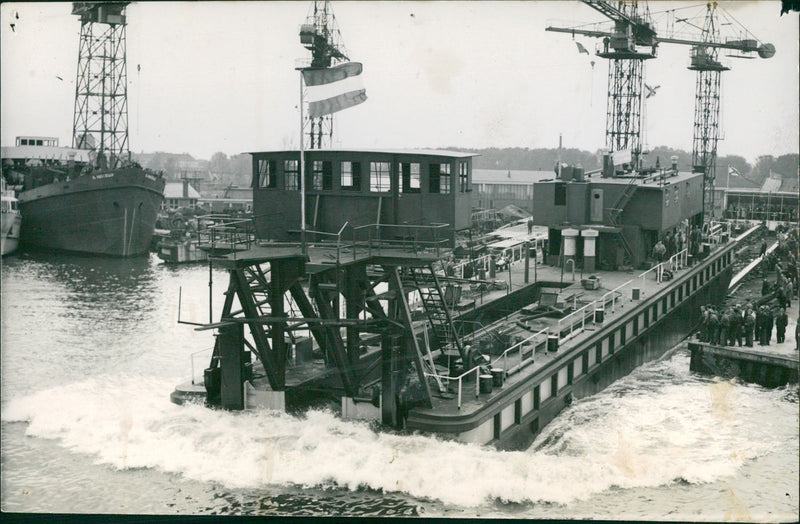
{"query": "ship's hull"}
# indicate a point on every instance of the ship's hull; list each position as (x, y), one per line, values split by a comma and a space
(9, 232)
(109, 213)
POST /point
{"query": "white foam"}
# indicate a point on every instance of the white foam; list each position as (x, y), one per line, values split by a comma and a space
(632, 435)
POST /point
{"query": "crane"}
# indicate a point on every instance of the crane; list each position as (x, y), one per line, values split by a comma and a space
(320, 35)
(626, 44)
(705, 61)
(630, 42)
(100, 120)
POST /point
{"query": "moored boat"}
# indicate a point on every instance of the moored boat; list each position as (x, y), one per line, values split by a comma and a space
(71, 206)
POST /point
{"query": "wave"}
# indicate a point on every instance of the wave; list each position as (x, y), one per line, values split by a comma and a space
(649, 429)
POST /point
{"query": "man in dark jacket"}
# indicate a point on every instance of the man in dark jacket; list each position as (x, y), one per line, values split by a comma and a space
(769, 321)
(713, 323)
(760, 325)
(781, 321)
(749, 325)
(725, 324)
(736, 326)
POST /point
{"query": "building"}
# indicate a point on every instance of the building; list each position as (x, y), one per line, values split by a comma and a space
(227, 199)
(615, 221)
(180, 194)
(386, 187)
(498, 188)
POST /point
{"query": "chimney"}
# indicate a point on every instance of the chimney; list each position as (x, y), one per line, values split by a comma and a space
(185, 188)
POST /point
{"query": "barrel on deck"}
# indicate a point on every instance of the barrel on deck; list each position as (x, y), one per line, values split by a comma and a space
(486, 383)
(497, 377)
(552, 343)
(598, 316)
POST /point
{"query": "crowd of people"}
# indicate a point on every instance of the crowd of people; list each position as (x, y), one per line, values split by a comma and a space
(676, 240)
(743, 324)
(748, 323)
(761, 211)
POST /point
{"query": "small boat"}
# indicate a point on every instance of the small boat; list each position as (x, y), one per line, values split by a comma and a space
(11, 221)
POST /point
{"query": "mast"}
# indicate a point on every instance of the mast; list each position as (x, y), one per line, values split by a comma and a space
(100, 120)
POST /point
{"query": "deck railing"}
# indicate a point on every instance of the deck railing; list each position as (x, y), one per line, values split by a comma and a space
(226, 233)
(413, 237)
(522, 362)
(459, 379)
(193, 357)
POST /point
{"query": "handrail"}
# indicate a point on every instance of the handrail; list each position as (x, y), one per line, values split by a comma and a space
(475, 370)
(519, 344)
(192, 357)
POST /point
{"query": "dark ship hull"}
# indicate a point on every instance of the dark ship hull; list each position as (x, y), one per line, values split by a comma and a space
(111, 213)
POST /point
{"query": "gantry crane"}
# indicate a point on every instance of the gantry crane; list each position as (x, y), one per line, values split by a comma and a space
(623, 45)
(320, 35)
(100, 121)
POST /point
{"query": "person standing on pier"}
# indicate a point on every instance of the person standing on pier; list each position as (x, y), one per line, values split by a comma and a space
(725, 337)
(530, 226)
(713, 322)
(760, 319)
(781, 321)
(749, 324)
(736, 326)
(763, 249)
(769, 322)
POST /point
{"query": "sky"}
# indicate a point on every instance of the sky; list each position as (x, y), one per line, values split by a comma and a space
(220, 76)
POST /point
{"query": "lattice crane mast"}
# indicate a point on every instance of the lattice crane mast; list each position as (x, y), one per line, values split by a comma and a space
(630, 42)
(705, 60)
(100, 120)
(625, 79)
(320, 35)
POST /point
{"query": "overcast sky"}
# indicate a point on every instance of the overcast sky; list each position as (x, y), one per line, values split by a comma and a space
(219, 76)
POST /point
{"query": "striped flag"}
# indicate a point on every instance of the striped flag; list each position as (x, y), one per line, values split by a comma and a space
(333, 89)
(732, 171)
(581, 49)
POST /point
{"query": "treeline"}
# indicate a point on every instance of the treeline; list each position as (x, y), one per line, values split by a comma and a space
(237, 169)
(545, 159)
(220, 168)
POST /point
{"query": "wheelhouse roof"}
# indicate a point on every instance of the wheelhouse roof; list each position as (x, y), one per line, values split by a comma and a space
(417, 152)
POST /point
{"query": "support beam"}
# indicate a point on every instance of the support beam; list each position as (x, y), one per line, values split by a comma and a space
(411, 337)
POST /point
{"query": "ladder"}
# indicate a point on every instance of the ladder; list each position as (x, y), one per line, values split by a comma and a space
(614, 215)
(430, 291)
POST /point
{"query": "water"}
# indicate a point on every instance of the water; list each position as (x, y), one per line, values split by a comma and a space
(91, 350)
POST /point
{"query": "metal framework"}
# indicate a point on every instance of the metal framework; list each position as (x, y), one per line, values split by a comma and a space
(706, 109)
(100, 121)
(624, 106)
(320, 35)
(626, 72)
(282, 292)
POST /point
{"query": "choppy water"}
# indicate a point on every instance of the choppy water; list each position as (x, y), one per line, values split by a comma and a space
(91, 350)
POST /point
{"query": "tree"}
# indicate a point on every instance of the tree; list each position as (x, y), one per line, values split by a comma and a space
(219, 163)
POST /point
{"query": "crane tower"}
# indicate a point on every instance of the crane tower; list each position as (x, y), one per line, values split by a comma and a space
(320, 35)
(625, 46)
(100, 120)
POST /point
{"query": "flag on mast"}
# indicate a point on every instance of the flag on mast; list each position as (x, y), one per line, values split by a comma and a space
(333, 89)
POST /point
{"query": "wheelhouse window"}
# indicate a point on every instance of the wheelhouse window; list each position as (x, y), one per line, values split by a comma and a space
(464, 182)
(560, 198)
(351, 176)
(321, 175)
(380, 180)
(266, 173)
(439, 180)
(291, 173)
(410, 173)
